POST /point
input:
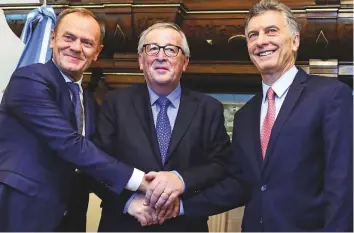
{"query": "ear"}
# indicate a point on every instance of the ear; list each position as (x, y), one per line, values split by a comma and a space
(141, 61)
(99, 49)
(295, 42)
(185, 64)
(52, 39)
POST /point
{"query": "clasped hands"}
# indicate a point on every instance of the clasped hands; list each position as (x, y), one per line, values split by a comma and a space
(161, 200)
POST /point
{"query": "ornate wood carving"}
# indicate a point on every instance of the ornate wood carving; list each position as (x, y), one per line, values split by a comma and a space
(215, 31)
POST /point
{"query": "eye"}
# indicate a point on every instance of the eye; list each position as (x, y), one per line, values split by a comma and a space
(252, 35)
(171, 49)
(87, 43)
(272, 30)
(68, 38)
(152, 48)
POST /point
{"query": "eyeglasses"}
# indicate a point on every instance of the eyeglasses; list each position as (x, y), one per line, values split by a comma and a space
(169, 50)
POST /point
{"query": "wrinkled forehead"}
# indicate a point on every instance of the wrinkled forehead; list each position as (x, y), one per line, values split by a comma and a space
(267, 19)
(164, 36)
(80, 25)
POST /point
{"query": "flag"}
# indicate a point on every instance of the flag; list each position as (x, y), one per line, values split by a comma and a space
(36, 36)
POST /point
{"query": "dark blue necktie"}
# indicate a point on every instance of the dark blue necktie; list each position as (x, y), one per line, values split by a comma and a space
(79, 113)
(163, 127)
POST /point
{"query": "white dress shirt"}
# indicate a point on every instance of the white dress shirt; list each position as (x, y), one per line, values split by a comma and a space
(281, 88)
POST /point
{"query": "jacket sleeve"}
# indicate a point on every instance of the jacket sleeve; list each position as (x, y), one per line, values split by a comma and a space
(30, 99)
(217, 149)
(338, 149)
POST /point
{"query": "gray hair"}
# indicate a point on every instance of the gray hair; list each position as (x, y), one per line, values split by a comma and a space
(185, 47)
(273, 5)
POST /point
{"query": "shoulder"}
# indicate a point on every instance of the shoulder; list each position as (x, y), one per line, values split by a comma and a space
(202, 98)
(326, 87)
(37, 72)
(122, 94)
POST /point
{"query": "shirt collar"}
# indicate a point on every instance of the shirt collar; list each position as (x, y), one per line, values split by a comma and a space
(68, 79)
(174, 96)
(282, 84)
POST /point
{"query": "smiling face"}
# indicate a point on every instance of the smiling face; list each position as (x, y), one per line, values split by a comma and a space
(271, 45)
(162, 73)
(76, 44)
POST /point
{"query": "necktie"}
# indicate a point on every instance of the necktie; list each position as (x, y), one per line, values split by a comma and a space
(268, 122)
(79, 114)
(163, 127)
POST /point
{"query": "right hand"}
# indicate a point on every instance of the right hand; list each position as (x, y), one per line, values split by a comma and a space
(143, 213)
(144, 185)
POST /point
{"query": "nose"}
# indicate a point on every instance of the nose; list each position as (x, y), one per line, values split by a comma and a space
(161, 54)
(76, 45)
(262, 39)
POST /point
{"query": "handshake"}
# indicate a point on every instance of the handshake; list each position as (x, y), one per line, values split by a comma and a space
(161, 200)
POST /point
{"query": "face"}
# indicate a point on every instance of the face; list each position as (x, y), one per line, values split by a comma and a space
(163, 73)
(75, 44)
(270, 43)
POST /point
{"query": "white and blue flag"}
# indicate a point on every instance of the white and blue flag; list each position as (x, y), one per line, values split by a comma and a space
(36, 36)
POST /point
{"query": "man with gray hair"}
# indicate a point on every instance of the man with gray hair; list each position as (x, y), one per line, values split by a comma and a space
(161, 126)
(292, 144)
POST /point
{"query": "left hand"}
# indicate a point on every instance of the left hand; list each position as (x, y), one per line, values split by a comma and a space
(164, 188)
(171, 211)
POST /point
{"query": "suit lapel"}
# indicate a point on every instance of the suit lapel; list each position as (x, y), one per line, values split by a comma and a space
(186, 112)
(89, 111)
(255, 126)
(142, 106)
(291, 98)
(63, 94)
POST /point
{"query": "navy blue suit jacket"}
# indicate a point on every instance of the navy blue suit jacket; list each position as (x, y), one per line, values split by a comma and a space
(40, 148)
(198, 149)
(305, 182)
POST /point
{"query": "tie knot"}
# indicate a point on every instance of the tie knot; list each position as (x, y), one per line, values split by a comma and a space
(164, 102)
(74, 88)
(270, 94)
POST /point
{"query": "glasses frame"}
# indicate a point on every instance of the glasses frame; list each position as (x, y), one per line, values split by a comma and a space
(163, 48)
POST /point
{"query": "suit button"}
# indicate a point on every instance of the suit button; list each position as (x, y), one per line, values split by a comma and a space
(263, 187)
(261, 221)
(65, 213)
(77, 171)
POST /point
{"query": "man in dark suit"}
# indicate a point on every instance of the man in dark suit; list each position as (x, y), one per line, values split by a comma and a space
(163, 127)
(46, 121)
(292, 144)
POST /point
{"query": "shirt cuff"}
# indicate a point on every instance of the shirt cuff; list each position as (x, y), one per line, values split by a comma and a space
(180, 177)
(135, 180)
(181, 209)
(128, 203)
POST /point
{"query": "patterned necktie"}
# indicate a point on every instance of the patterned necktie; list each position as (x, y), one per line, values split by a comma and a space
(79, 113)
(163, 127)
(268, 122)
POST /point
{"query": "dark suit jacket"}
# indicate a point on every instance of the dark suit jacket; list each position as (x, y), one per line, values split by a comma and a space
(39, 149)
(198, 147)
(305, 182)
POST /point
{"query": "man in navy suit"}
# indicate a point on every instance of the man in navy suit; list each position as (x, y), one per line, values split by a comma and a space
(292, 144)
(162, 126)
(46, 121)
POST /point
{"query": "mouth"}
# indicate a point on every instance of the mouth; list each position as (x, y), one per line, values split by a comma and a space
(265, 53)
(161, 68)
(74, 57)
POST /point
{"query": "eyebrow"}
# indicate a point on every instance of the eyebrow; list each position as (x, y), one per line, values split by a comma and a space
(266, 28)
(71, 34)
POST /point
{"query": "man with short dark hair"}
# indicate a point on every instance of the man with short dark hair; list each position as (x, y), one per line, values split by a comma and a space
(292, 144)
